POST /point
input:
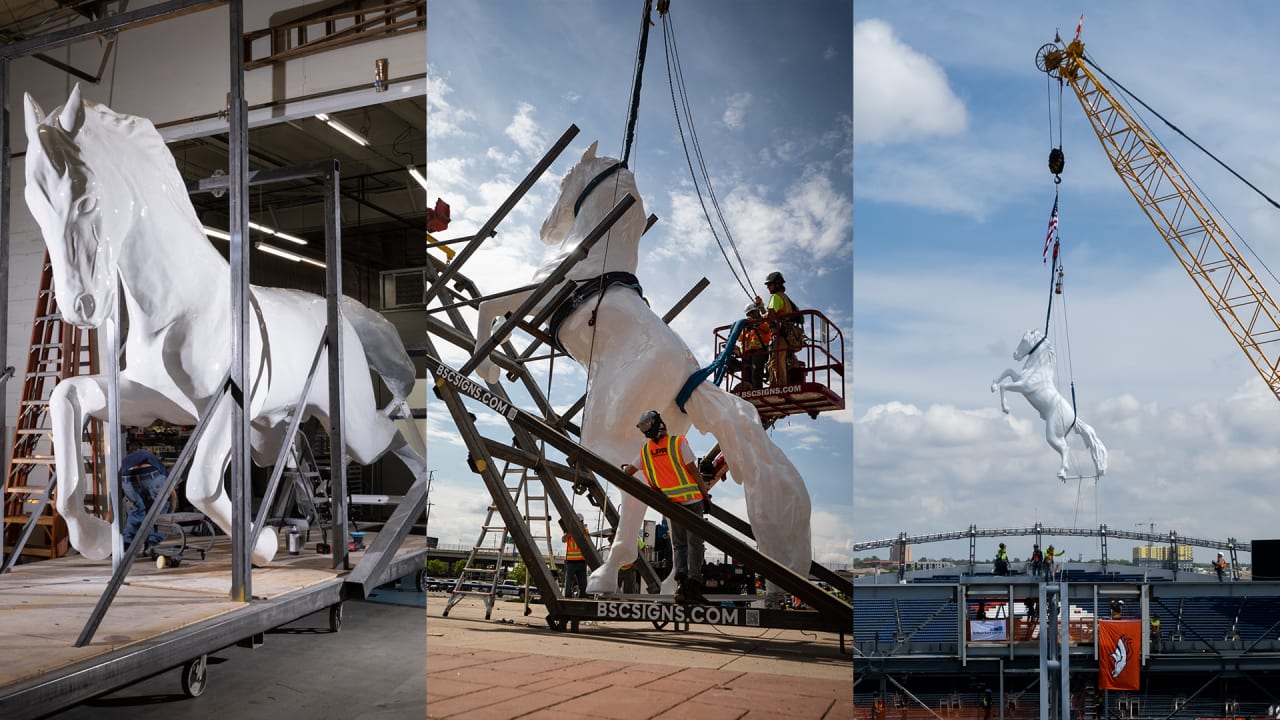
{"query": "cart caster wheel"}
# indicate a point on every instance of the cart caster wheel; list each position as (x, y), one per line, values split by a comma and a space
(658, 624)
(422, 580)
(195, 676)
(323, 548)
(201, 554)
(335, 617)
(162, 562)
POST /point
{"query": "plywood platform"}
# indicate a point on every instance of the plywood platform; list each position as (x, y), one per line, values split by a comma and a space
(44, 607)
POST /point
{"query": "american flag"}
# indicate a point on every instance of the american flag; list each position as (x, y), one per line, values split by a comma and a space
(1053, 228)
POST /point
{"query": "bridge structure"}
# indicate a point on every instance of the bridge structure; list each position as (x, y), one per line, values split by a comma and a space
(1230, 546)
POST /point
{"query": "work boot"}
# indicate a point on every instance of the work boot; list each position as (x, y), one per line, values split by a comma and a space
(693, 593)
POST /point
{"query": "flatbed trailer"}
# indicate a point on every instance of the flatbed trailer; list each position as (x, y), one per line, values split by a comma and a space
(160, 619)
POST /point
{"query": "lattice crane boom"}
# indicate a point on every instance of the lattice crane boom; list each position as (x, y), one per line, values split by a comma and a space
(1205, 251)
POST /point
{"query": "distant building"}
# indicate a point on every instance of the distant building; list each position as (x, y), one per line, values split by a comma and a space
(894, 551)
(1157, 556)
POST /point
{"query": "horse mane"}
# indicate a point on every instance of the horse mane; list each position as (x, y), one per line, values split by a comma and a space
(1045, 354)
(137, 131)
(139, 137)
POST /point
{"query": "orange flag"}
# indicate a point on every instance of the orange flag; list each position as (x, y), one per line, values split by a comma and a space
(1120, 654)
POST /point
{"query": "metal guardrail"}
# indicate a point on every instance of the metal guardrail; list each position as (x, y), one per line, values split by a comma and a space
(1100, 531)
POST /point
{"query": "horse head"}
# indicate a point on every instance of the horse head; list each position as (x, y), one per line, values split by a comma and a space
(592, 174)
(1031, 341)
(78, 210)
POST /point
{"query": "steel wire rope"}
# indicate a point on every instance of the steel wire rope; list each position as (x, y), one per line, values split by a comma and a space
(1178, 165)
(672, 57)
(702, 165)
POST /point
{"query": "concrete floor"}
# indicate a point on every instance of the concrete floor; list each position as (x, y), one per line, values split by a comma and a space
(371, 670)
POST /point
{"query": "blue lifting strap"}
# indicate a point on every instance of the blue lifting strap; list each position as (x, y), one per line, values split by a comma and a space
(717, 366)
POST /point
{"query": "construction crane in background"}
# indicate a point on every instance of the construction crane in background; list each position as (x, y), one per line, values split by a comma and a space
(1197, 239)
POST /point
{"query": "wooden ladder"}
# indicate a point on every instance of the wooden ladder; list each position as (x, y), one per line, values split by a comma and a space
(59, 350)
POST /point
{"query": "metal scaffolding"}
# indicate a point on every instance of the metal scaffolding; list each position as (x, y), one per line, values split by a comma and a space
(536, 431)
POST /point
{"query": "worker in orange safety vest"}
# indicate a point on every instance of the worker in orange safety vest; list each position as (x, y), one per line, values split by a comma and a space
(670, 466)
(575, 565)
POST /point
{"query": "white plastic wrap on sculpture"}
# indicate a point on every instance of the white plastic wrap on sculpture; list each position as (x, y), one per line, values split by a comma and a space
(114, 212)
(1036, 383)
(638, 363)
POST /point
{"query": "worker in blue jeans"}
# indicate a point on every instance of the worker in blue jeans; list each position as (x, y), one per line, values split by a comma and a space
(142, 478)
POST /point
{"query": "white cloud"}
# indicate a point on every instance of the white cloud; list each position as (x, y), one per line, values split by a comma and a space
(508, 161)
(1190, 467)
(448, 177)
(525, 132)
(817, 217)
(735, 111)
(445, 120)
(899, 94)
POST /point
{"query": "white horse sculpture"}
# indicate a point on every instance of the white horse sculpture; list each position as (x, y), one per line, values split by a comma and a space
(635, 362)
(114, 211)
(1036, 383)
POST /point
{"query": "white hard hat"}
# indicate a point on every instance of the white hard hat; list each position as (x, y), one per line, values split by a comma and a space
(1219, 554)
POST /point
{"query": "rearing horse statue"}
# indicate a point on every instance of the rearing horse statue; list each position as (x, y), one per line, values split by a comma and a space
(635, 362)
(1035, 382)
(114, 213)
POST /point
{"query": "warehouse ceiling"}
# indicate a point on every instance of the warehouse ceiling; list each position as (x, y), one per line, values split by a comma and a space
(384, 208)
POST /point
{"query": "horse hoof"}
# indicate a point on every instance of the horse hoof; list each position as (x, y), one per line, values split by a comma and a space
(489, 372)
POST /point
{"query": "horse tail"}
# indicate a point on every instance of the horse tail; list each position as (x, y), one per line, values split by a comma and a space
(383, 349)
(1096, 448)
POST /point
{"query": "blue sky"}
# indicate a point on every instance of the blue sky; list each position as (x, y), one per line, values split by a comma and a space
(951, 134)
(770, 93)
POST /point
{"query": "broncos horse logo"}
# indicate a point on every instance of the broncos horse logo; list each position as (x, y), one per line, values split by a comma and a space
(1120, 656)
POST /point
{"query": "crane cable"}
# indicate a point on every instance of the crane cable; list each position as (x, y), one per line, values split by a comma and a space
(1200, 147)
(1178, 130)
(1056, 165)
(675, 83)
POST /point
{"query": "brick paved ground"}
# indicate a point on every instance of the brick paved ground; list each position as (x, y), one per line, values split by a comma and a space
(515, 667)
(492, 684)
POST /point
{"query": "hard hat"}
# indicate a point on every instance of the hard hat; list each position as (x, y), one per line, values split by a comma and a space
(649, 423)
(579, 516)
(751, 308)
(1219, 554)
(774, 277)
(1001, 544)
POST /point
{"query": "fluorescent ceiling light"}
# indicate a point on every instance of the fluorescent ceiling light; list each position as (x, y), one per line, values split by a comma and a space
(418, 176)
(352, 135)
(276, 233)
(214, 232)
(273, 250)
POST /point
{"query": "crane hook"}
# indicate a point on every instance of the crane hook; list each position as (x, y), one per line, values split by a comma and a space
(1057, 161)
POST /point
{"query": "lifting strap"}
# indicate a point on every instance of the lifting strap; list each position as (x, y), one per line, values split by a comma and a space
(717, 366)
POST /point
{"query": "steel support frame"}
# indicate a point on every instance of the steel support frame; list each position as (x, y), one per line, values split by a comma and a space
(32, 46)
(535, 462)
(597, 496)
(529, 429)
(481, 459)
(236, 183)
(237, 163)
(450, 382)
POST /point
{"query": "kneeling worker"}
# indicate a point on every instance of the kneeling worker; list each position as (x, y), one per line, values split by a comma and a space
(670, 466)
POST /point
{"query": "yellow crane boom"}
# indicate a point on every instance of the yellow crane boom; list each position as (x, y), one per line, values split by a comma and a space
(1191, 231)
